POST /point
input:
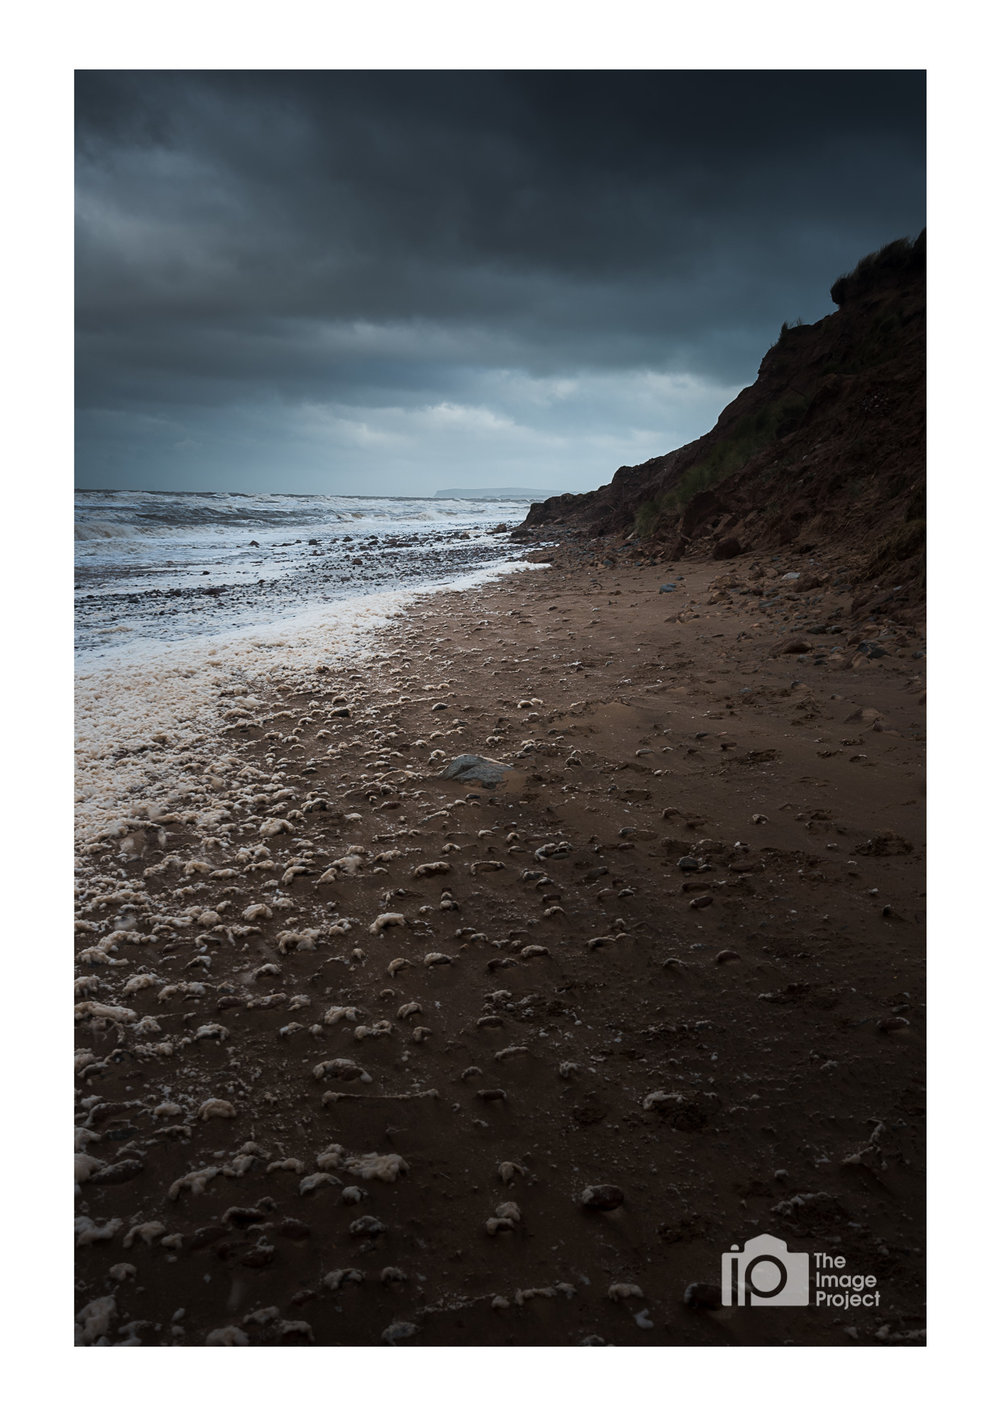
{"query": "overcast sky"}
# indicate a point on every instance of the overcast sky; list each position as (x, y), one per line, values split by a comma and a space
(323, 281)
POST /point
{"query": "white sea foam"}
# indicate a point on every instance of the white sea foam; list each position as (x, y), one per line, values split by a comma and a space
(172, 566)
(141, 709)
(127, 516)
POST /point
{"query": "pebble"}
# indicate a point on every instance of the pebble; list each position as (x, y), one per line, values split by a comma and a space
(397, 1332)
(386, 921)
(602, 1197)
(343, 1068)
(471, 768)
(703, 1296)
(368, 1224)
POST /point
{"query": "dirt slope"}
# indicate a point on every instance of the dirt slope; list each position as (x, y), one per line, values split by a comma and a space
(826, 448)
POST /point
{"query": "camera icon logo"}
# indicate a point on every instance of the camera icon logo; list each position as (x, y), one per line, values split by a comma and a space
(765, 1274)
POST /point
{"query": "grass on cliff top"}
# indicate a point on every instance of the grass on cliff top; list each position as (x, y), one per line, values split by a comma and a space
(748, 437)
(895, 259)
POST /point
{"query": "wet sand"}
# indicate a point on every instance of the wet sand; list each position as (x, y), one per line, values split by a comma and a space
(377, 1038)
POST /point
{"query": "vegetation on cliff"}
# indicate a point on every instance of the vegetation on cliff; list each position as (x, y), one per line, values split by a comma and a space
(827, 445)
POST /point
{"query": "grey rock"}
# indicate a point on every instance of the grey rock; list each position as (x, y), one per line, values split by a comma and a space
(470, 768)
(602, 1197)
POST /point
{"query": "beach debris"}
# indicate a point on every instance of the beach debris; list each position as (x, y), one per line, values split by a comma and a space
(341, 1014)
(398, 1332)
(386, 921)
(336, 1278)
(380, 1029)
(227, 1337)
(197, 1181)
(368, 1225)
(88, 1231)
(94, 1321)
(311, 1183)
(343, 1068)
(508, 1052)
(147, 1232)
(506, 1216)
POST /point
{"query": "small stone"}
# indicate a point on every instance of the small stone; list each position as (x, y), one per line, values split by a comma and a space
(368, 1224)
(259, 1257)
(397, 1332)
(725, 549)
(706, 1297)
(470, 768)
(602, 1197)
(117, 1174)
(293, 1229)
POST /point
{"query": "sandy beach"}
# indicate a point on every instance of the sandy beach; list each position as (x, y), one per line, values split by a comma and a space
(371, 1055)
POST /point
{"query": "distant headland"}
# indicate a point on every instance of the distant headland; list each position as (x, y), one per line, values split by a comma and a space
(492, 493)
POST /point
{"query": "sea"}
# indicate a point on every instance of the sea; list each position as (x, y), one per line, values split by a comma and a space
(183, 598)
(170, 566)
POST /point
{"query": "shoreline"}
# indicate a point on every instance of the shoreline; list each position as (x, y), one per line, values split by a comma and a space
(736, 1043)
(140, 710)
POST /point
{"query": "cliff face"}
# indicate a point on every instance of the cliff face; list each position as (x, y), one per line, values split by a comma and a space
(827, 446)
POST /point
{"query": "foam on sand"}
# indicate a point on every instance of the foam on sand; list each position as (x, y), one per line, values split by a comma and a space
(143, 711)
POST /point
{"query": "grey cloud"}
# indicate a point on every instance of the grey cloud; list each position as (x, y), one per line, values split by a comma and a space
(391, 239)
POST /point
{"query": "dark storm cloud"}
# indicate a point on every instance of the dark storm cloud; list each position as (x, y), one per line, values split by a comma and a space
(388, 241)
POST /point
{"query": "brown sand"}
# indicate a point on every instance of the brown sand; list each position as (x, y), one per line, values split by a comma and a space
(773, 996)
